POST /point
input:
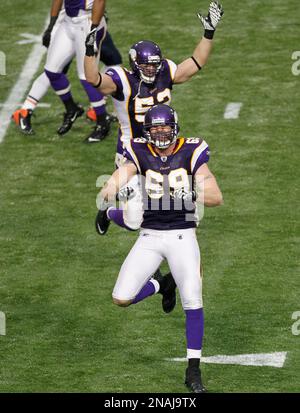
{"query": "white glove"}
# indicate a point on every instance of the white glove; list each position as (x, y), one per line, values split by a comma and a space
(215, 12)
(126, 193)
(185, 195)
(90, 42)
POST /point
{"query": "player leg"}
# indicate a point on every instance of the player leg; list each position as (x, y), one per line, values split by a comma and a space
(140, 276)
(134, 282)
(60, 53)
(22, 117)
(183, 256)
(109, 54)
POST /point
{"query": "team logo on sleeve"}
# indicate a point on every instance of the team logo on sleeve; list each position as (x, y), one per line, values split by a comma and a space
(132, 54)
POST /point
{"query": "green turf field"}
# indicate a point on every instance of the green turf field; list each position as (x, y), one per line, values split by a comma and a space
(63, 334)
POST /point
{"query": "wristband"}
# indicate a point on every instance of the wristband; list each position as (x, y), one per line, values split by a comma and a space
(209, 34)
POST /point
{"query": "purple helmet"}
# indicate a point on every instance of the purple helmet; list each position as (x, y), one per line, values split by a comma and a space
(145, 60)
(161, 115)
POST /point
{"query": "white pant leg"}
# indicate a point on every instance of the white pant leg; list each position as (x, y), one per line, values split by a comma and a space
(61, 49)
(140, 264)
(183, 256)
(81, 30)
(39, 87)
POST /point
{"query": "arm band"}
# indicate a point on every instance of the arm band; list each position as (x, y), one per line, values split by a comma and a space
(100, 80)
(196, 63)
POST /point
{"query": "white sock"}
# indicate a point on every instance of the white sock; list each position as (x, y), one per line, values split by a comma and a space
(38, 90)
(156, 284)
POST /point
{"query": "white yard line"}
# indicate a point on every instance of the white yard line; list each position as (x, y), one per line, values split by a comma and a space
(2, 324)
(276, 359)
(19, 105)
(232, 110)
(20, 88)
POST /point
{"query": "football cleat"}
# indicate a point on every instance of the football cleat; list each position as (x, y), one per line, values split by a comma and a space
(102, 222)
(69, 119)
(193, 380)
(22, 118)
(167, 290)
(100, 132)
(91, 115)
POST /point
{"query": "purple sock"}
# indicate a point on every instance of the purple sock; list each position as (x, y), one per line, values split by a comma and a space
(60, 84)
(116, 215)
(95, 97)
(194, 329)
(145, 292)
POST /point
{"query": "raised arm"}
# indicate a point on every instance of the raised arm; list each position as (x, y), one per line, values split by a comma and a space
(193, 64)
(100, 81)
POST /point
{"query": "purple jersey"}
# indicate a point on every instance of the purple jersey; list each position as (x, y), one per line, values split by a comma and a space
(163, 176)
(133, 98)
(73, 6)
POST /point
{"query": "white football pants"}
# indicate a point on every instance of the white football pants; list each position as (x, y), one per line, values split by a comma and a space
(69, 40)
(181, 250)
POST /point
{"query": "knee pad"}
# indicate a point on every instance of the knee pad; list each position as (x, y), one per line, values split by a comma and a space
(121, 303)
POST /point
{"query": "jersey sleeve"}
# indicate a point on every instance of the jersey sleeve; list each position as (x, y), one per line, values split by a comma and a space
(200, 156)
(117, 79)
(131, 156)
(172, 67)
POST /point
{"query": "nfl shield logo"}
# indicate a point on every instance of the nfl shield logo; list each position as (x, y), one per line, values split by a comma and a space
(163, 158)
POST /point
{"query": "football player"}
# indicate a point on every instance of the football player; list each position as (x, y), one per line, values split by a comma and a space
(149, 82)
(109, 55)
(69, 41)
(175, 175)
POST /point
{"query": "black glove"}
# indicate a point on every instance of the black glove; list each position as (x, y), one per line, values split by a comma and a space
(47, 34)
(90, 42)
